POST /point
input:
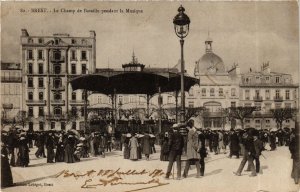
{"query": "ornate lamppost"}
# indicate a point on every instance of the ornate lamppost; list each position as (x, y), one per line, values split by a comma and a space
(181, 26)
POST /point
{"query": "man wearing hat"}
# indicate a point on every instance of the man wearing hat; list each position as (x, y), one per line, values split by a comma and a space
(175, 147)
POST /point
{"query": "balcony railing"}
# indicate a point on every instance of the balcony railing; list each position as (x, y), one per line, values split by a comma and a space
(57, 88)
(7, 105)
(36, 102)
(57, 59)
(258, 98)
(77, 102)
(11, 79)
(213, 114)
(55, 117)
(58, 102)
(278, 99)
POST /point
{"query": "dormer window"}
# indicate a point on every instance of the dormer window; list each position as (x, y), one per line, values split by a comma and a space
(30, 40)
(73, 41)
(56, 41)
(277, 80)
(41, 40)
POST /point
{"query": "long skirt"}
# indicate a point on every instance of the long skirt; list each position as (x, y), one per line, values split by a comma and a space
(139, 153)
(6, 176)
(60, 153)
(126, 151)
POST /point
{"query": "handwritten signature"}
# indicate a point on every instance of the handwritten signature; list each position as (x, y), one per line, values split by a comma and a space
(110, 177)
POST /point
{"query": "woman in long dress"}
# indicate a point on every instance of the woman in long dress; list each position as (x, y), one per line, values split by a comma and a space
(6, 176)
(126, 148)
(23, 158)
(133, 146)
(60, 151)
(69, 150)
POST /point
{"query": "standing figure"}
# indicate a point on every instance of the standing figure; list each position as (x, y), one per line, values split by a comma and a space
(234, 145)
(60, 152)
(192, 149)
(164, 152)
(249, 153)
(294, 149)
(23, 158)
(126, 146)
(50, 143)
(69, 149)
(202, 152)
(146, 146)
(175, 146)
(272, 141)
(133, 146)
(6, 175)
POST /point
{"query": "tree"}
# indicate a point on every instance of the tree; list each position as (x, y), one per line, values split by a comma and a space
(239, 113)
(193, 112)
(282, 114)
(72, 116)
(22, 118)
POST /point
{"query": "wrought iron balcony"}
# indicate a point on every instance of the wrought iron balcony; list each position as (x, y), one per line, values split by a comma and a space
(11, 79)
(258, 98)
(278, 99)
(57, 59)
(57, 88)
(213, 114)
(7, 105)
(36, 102)
(77, 102)
(58, 102)
(55, 117)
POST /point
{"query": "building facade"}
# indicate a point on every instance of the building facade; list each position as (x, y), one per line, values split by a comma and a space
(11, 91)
(219, 89)
(48, 63)
(267, 90)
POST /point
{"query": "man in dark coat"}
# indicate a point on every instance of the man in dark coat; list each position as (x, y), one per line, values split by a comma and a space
(234, 144)
(176, 144)
(294, 149)
(146, 146)
(202, 152)
(50, 144)
(248, 155)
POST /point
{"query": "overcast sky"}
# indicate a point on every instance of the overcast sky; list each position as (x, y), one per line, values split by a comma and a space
(247, 33)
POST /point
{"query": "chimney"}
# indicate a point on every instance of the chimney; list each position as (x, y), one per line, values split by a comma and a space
(92, 33)
(24, 33)
(266, 67)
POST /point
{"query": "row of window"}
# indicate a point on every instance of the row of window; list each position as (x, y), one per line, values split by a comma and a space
(52, 125)
(56, 95)
(57, 111)
(56, 41)
(268, 106)
(267, 94)
(221, 92)
(267, 121)
(56, 68)
(56, 55)
(267, 79)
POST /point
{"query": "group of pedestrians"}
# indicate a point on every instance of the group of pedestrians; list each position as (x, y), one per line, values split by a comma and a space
(136, 144)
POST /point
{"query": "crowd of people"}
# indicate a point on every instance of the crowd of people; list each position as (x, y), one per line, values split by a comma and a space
(70, 146)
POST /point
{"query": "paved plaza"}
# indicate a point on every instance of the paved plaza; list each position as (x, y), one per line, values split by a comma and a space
(113, 173)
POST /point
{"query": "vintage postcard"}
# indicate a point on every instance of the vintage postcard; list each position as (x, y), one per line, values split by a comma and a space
(150, 96)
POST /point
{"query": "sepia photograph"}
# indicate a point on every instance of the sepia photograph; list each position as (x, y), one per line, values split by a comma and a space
(150, 96)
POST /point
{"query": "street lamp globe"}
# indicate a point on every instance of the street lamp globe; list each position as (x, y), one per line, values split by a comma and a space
(181, 23)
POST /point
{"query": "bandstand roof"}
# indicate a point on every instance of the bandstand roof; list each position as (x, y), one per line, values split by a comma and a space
(132, 82)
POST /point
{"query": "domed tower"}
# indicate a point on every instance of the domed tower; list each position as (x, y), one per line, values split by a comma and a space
(209, 62)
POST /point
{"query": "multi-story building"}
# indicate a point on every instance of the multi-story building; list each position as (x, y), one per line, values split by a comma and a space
(11, 90)
(48, 63)
(218, 88)
(267, 90)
